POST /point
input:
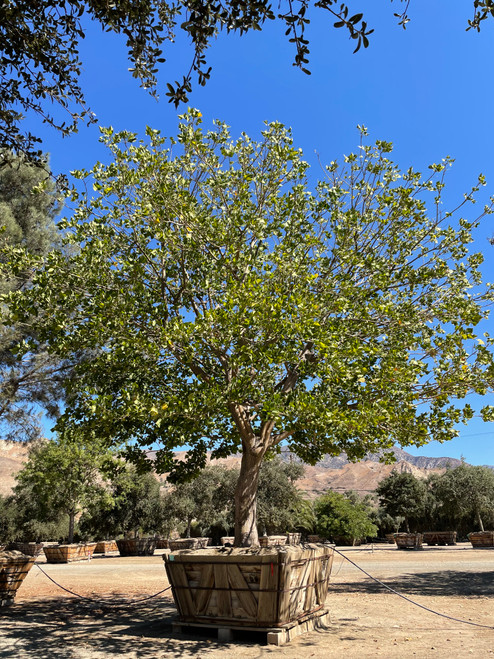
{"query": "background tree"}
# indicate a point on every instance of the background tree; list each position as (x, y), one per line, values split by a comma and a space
(130, 504)
(386, 523)
(24, 518)
(466, 496)
(63, 475)
(136, 505)
(29, 204)
(278, 497)
(232, 307)
(339, 517)
(304, 517)
(404, 495)
(206, 500)
(39, 48)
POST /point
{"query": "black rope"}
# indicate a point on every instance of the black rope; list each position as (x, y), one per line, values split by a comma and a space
(426, 608)
(91, 599)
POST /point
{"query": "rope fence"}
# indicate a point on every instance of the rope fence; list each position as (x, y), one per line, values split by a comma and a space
(92, 599)
(337, 551)
(407, 599)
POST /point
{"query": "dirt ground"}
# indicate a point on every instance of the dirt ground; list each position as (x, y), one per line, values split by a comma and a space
(366, 619)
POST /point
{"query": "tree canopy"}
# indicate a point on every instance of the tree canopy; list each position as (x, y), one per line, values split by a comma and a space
(232, 306)
(39, 48)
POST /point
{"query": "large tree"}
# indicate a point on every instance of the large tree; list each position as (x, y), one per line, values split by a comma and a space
(29, 205)
(39, 48)
(233, 306)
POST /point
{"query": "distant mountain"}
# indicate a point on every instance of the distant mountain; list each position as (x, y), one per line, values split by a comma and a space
(331, 472)
(421, 461)
(339, 474)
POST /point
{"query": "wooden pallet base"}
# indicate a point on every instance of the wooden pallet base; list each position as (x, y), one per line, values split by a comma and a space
(272, 635)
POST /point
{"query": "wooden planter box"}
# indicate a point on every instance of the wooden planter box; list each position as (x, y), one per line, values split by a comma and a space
(408, 540)
(272, 540)
(228, 539)
(161, 543)
(345, 541)
(254, 587)
(482, 539)
(188, 543)
(293, 538)
(314, 538)
(136, 546)
(14, 567)
(105, 546)
(31, 548)
(69, 553)
(439, 537)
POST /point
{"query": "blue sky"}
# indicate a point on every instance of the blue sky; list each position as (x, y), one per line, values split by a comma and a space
(427, 89)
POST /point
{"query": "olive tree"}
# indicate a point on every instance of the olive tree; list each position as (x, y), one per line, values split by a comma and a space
(404, 495)
(63, 476)
(233, 305)
(466, 494)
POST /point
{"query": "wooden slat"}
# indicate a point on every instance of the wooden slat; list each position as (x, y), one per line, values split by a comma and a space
(247, 599)
(300, 578)
(179, 576)
(266, 611)
(204, 593)
(322, 577)
(223, 596)
(309, 593)
(285, 582)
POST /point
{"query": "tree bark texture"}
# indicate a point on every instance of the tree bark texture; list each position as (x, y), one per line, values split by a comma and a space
(71, 527)
(246, 500)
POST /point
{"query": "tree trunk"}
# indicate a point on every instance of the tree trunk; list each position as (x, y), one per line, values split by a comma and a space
(246, 499)
(479, 519)
(71, 527)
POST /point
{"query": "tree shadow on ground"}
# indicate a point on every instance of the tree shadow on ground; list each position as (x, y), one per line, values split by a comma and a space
(446, 583)
(61, 628)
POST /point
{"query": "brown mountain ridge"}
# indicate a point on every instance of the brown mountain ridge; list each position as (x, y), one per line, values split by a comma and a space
(335, 473)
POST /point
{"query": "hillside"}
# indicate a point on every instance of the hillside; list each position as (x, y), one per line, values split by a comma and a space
(12, 457)
(337, 473)
(330, 473)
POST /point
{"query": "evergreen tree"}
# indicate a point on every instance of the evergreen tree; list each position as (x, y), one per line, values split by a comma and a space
(29, 205)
